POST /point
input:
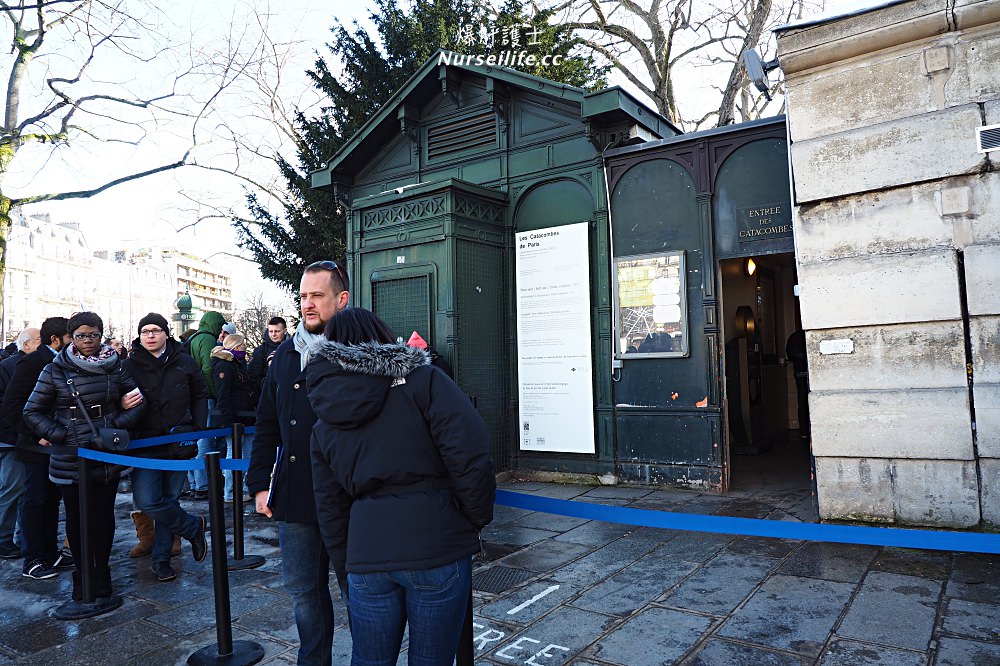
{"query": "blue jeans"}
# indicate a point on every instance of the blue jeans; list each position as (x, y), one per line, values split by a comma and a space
(432, 601)
(305, 570)
(208, 445)
(155, 493)
(247, 447)
(12, 476)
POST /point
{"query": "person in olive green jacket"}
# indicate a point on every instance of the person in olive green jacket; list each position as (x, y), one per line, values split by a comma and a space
(201, 343)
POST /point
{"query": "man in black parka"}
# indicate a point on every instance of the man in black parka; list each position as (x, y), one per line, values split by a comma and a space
(260, 360)
(281, 451)
(40, 502)
(176, 402)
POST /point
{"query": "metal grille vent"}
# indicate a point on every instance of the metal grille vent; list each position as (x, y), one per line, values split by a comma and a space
(987, 138)
(404, 305)
(496, 580)
(463, 134)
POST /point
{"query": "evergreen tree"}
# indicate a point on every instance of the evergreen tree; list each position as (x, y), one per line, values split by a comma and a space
(312, 225)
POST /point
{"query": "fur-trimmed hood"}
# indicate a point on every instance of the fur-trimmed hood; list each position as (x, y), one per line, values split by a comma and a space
(348, 385)
(372, 358)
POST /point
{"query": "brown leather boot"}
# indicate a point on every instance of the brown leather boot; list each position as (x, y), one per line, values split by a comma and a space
(143, 530)
(175, 550)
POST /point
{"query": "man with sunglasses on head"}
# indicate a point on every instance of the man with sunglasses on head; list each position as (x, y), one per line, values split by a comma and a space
(280, 476)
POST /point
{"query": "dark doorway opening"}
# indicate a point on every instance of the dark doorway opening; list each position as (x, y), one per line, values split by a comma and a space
(766, 433)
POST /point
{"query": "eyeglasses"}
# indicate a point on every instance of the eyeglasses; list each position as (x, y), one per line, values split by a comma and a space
(151, 331)
(87, 336)
(331, 266)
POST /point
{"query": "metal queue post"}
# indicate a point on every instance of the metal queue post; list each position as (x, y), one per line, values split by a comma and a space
(239, 561)
(226, 650)
(88, 606)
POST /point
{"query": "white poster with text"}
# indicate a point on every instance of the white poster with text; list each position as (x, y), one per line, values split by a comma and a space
(554, 363)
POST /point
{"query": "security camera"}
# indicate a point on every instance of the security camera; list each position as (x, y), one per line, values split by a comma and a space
(757, 71)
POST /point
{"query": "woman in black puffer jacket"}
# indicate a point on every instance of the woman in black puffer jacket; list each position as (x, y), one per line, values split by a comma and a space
(51, 411)
(403, 481)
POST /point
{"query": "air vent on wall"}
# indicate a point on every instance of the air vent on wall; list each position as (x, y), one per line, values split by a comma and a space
(987, 138)
(460, 135)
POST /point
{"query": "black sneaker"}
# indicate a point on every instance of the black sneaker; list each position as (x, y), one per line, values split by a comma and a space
(163, 571)
(199, 495)
(64, 562)
(9, 551)
(199, 546)
(39, 570)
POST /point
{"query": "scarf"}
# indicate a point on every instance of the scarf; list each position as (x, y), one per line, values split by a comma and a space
(103, 354)
(304, 342)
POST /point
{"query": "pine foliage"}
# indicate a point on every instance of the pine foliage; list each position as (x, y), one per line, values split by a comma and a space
(311, 226)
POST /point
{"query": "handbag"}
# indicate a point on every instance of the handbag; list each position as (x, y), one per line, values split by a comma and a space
(112, 440)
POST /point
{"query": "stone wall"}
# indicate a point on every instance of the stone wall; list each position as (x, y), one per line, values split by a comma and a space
(897, 232)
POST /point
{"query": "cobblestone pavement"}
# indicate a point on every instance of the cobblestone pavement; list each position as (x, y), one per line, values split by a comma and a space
(556, 590)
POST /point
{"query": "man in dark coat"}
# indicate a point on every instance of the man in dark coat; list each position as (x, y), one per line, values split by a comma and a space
(176, 402)
(40, 502)
(277, 331)
(12, 469)
(280, 476)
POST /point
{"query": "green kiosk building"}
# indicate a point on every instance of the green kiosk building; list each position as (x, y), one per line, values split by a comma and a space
(583, 267)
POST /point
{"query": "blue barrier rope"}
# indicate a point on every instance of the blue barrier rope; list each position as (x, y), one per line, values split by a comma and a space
(156, 463)
(184, 437)
(971, 542)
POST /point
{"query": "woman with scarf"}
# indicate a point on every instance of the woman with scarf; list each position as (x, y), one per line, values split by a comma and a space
(95, 372)
(233, 394)
(404, 482)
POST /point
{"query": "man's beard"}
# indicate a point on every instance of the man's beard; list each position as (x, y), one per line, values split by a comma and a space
(317, 328)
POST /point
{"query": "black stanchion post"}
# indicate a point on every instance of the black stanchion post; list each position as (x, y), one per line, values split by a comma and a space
(466, 652)
(226, 651)
(238, 561)
(86, 567)
(88, 606)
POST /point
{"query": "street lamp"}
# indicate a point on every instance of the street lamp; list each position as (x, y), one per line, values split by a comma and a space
(184, 317)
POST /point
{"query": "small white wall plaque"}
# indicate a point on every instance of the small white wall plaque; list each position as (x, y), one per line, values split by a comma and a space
(836, 346)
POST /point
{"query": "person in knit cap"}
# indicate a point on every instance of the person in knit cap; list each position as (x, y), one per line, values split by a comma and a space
(177, 402)
(233, 393)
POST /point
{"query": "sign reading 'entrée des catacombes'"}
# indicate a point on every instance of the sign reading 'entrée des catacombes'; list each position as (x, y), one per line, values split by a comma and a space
(764, 222)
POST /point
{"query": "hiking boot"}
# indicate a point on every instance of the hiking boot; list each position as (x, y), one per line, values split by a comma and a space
(144, 529)
(163, 571)
(39, 570)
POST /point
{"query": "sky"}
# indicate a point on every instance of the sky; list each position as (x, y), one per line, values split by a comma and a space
(163, 209)
(152, 210)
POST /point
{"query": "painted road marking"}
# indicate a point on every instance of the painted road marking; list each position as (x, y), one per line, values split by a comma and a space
(532, 600)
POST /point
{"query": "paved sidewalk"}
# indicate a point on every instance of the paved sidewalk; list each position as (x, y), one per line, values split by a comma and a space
(557, 590)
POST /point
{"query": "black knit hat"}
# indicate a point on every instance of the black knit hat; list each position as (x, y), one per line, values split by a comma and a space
(155, 319)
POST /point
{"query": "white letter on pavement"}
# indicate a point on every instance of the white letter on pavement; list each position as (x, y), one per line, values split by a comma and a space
(516, 645)
(488, 636)
(544, 652)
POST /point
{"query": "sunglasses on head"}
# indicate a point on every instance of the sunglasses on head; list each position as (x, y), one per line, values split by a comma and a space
(328, 265)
